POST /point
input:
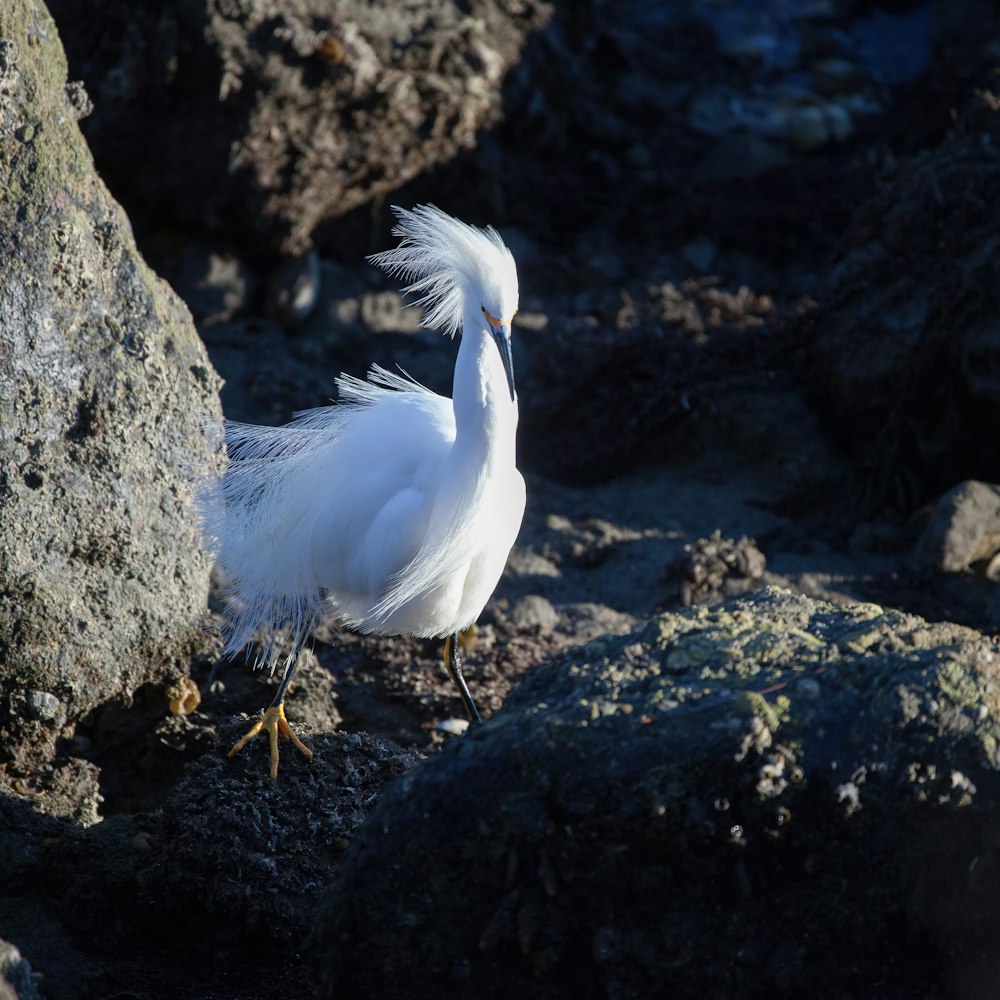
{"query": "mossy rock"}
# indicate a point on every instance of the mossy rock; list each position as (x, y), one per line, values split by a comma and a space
(774, 796)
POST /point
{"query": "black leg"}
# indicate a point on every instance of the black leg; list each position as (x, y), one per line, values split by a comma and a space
(453, 664)
(290, 665)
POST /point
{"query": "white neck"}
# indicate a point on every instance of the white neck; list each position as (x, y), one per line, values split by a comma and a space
(485, 415)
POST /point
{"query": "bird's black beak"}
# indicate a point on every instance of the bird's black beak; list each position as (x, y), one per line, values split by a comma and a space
(501, 334)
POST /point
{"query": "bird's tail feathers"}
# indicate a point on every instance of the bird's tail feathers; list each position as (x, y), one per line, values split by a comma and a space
(252, 511)
(263, 512)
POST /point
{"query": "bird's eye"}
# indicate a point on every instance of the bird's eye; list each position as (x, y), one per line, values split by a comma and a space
(490, 318)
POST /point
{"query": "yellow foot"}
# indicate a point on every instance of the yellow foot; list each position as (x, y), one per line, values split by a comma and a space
(274, 722)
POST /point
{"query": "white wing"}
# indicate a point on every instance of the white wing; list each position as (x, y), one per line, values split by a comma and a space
(328, 509)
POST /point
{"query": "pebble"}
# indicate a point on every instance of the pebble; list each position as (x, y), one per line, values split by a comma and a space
(453, 727)
(142, 843)
(808, 687)
(700, 254)
(533, 322)
(183, 697)
(345, 311)
(43, 706)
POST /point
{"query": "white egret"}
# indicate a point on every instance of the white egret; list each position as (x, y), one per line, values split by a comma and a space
(395, 509)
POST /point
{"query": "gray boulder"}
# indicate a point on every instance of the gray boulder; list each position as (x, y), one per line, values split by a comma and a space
(103, 387)
(963, 529)
(771, 797)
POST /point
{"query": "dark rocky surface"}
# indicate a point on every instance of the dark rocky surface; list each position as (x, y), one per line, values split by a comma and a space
(756, 347)
(288, 834)
(299, 111)
(770, 795)
(907, 363)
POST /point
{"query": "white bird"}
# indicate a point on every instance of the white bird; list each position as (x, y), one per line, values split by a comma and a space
(395, 509)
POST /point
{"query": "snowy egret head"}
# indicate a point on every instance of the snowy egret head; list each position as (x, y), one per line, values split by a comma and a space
(459, 275)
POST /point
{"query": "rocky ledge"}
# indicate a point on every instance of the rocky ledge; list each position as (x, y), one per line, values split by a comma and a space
(771, 795)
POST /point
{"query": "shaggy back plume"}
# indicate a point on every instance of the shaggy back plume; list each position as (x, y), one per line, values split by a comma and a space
(442, 260)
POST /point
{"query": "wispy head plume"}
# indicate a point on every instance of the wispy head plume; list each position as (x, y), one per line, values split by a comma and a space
(443, 260)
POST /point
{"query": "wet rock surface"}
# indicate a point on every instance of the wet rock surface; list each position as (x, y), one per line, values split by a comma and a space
(640, 803)
(755, 348)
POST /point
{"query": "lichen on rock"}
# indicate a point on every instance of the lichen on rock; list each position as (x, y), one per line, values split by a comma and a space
(636, 798)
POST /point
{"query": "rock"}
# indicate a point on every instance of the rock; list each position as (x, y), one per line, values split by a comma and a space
(711, 802)
(713, 567)
(103, 385)
(44, 706)
(249, 855)
(299, 111)
(452, 727)
(700, 254)
(587, 620)
(906, 352)
(964, 528)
